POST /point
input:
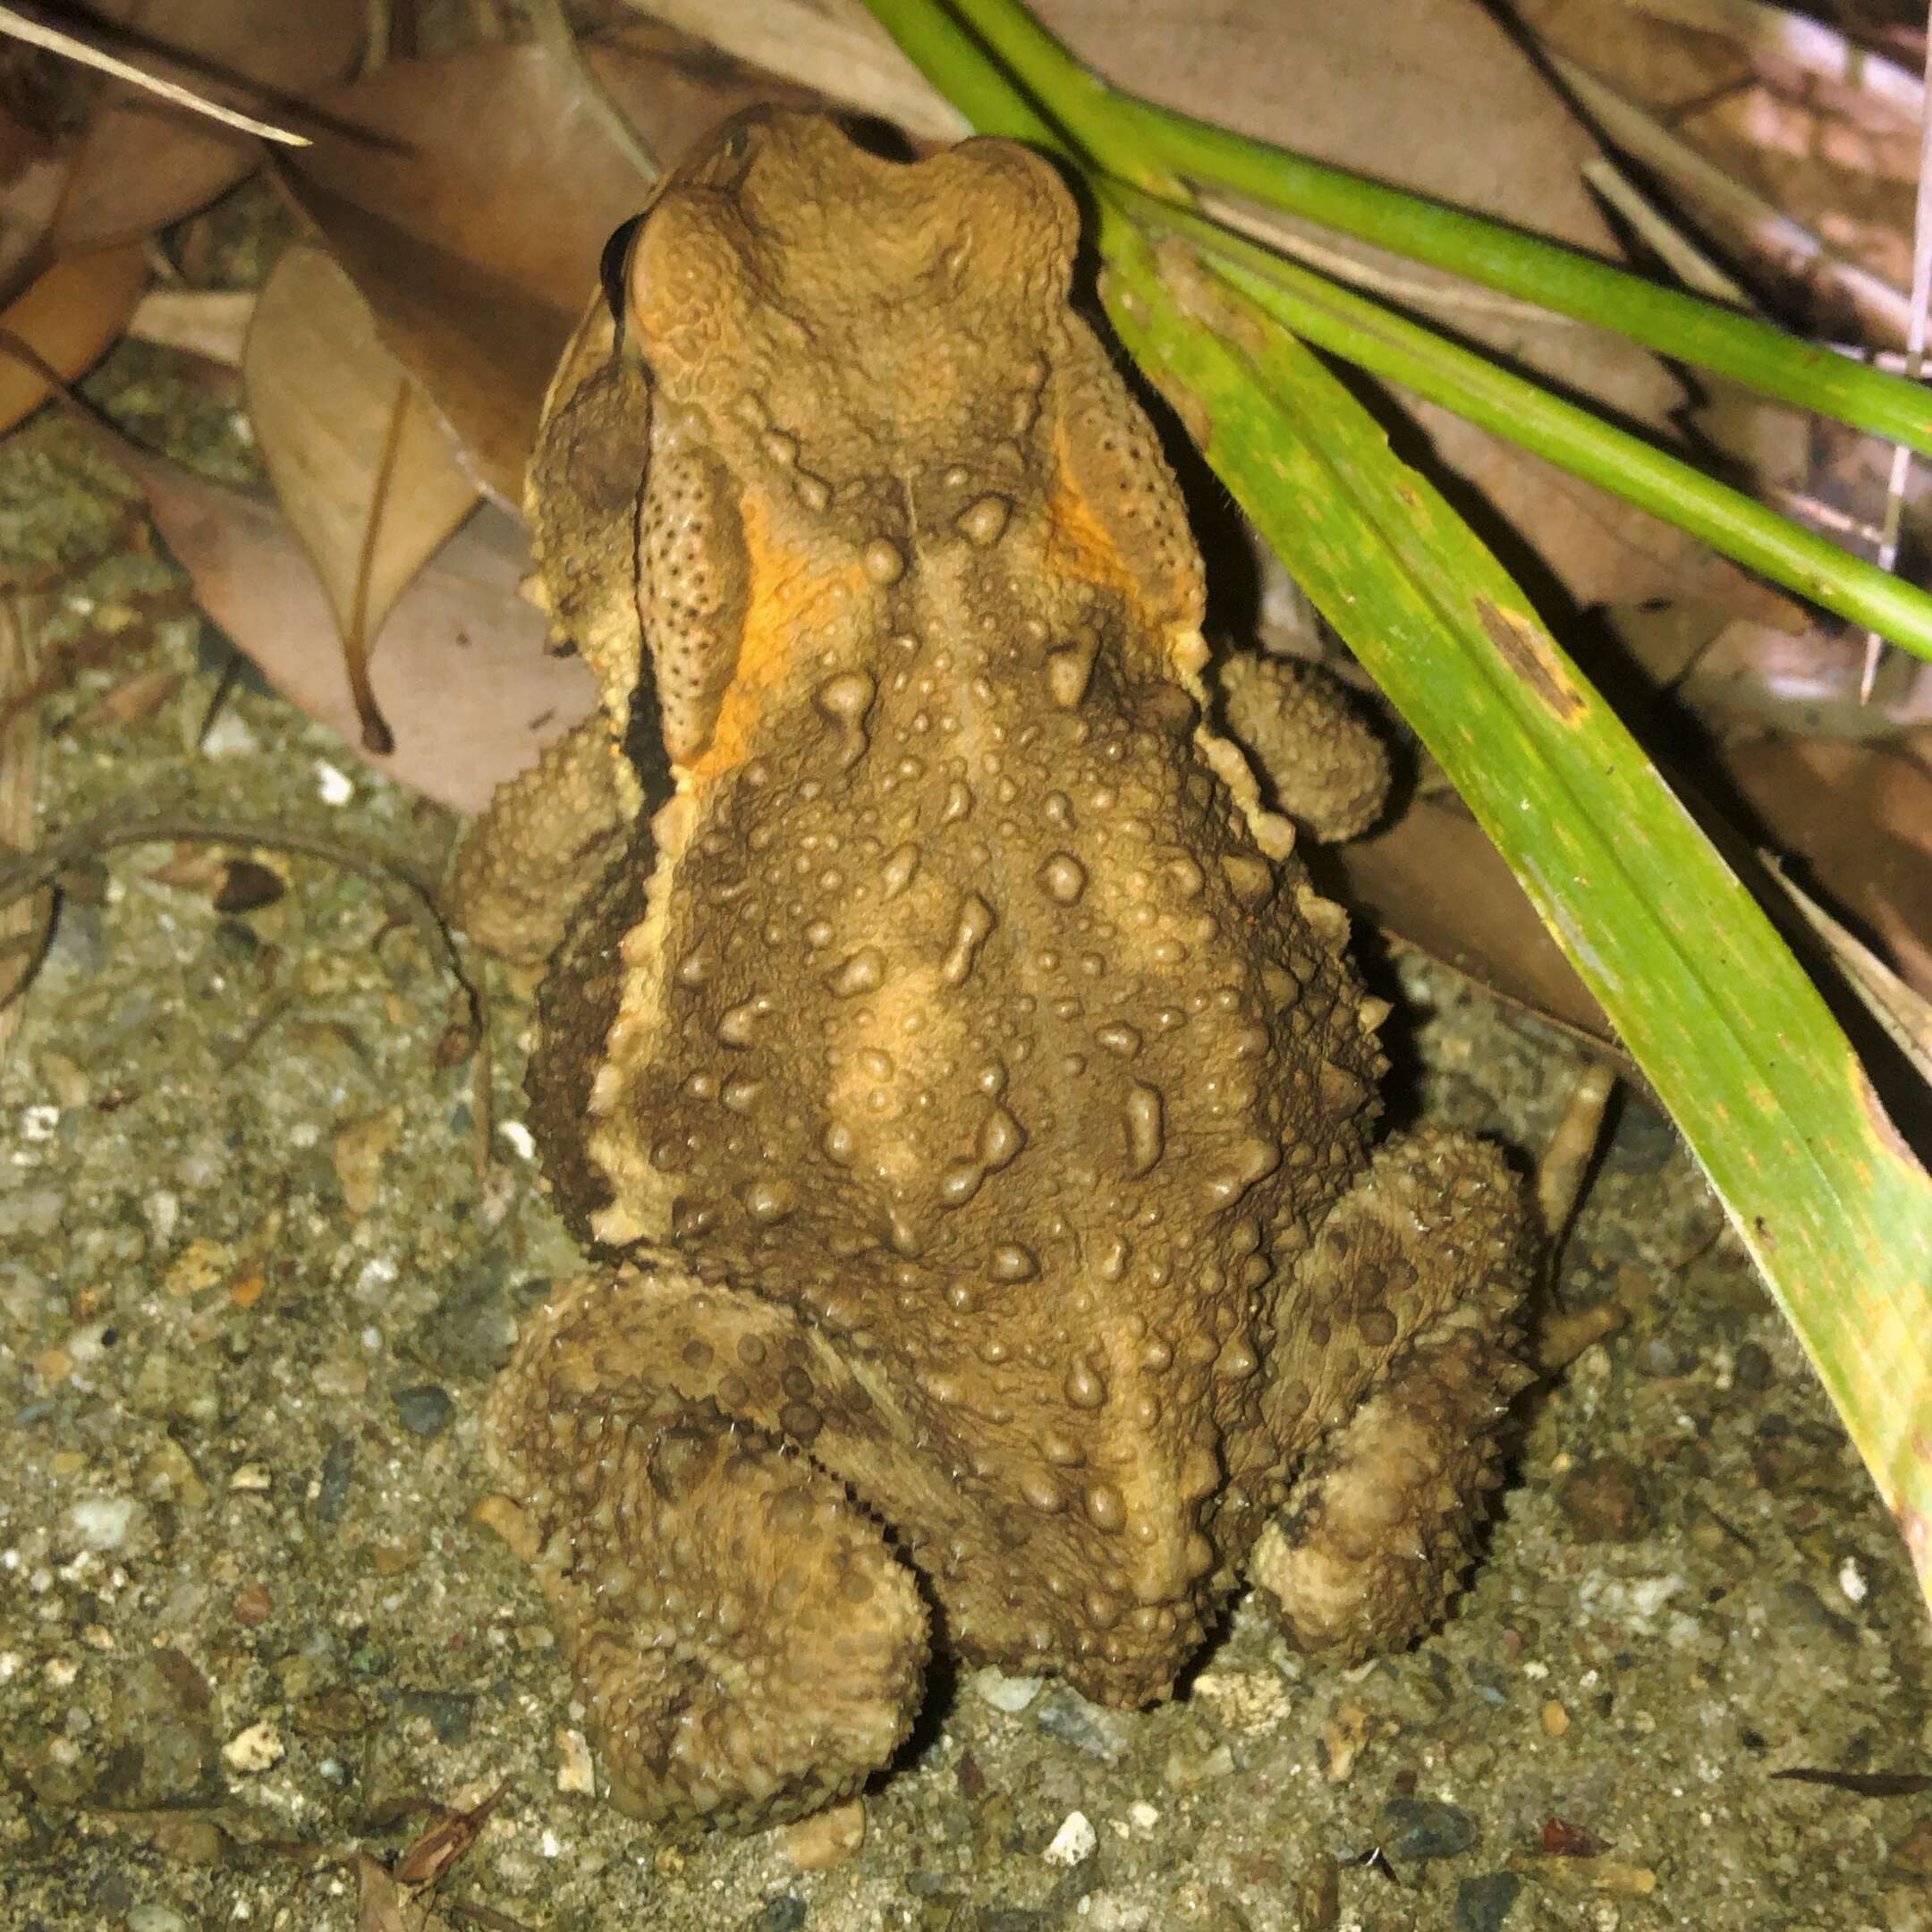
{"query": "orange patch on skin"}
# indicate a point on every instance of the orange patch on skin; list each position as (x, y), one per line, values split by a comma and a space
(1079, 544)
(789, 602)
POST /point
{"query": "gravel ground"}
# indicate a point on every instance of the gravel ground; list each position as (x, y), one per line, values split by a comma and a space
(253, 1285)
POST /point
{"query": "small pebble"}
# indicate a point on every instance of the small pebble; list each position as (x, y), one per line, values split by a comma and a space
(1603, 1502)
(332, 1490)
(102, 1523)
(1556, 1718)
(1342, 1740)
(1073, 1842)
(825, 1839)
(1318, 1896)
(1242, 1700)
(228, 736)
(451, 1714)
(1088, 1727)
(260, 1748)
(1419, 1828)
(155, 1918)
(574, 1769)
(425, 1410)
(1913, 1853)
(1009, 1694)
(168, 1475)
(1658, 1357)
(1483, 1902)
(191, 1841)
(333, 784)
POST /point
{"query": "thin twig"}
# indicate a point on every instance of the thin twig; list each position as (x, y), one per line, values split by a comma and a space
(1890, 361)
(1793, 38)
(1678, 252)
(1824, 515)
(20, 797)
(1915, 342)
(1768, 230)
(120, 450)
(37, 33)
(1573, 1148)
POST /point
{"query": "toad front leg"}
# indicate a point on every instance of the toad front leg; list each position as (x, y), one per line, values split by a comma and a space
(748, 1647)
(1405, 1306)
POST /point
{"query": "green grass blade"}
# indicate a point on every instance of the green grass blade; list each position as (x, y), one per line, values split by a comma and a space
(1365, 333)
(1157, 149)
(931, 34)
(1833, 1206)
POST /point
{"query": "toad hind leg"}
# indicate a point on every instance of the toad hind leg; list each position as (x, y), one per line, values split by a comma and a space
(1417, 1274)
(747, 1645)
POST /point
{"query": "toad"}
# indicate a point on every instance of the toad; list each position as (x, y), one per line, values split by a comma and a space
(964, 1095)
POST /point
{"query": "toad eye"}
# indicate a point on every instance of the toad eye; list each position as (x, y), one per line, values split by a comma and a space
(611, 267)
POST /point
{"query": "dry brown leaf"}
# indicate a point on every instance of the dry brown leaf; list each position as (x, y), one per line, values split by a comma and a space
(428, 1857)
(1433, 882)
(209, 323)
(1859, 818)
(470, 197)
(33, 170)
(72, 314)
(463, 675)
(138, 166)
(1904, 1014)
(1806, 683)
(1842, 161)
(381, 1903)
(832, 46)
(365, 473)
